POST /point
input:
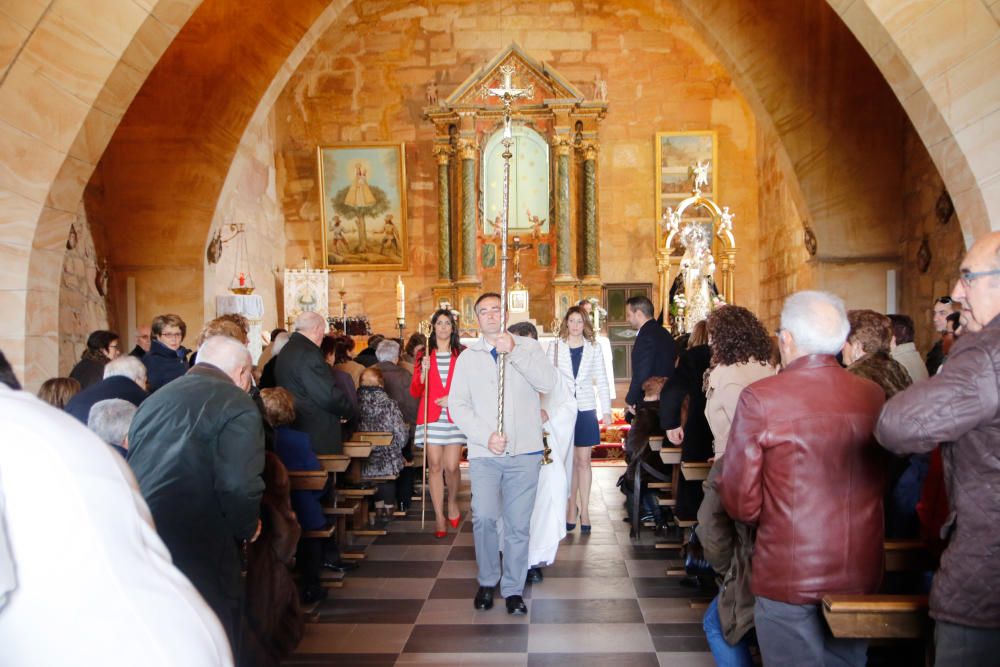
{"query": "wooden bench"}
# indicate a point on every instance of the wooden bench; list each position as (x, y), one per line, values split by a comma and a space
(334, 462)
(908, 556)
(375, 438)
(308, 480)
(656, 443)
(670, 455)
(695, 471)
(876, 616)
(357, 450)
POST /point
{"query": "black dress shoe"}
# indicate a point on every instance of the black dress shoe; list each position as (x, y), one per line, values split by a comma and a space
(342, 566)
(484, 599)
(534, 575)
(516, 606)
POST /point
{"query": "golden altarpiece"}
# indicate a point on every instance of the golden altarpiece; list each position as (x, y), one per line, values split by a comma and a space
(553, 207)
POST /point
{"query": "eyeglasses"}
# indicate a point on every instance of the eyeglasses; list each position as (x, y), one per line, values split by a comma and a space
(967, 277)
(172, 335)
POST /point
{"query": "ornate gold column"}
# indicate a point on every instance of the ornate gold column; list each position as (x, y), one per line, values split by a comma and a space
(591, 268)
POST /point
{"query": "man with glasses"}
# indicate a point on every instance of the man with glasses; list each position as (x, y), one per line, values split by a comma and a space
(960, 408)
(943, 307)
(167, 358)
(503, 468)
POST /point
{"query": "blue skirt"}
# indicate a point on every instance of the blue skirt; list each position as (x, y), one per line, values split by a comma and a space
(588, 433)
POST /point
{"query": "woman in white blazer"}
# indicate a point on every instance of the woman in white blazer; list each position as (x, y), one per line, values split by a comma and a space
(577, 354)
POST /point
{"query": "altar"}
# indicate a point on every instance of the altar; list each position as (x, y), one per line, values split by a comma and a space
(546, 340)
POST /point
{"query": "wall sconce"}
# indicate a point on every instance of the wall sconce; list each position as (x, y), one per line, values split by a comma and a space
(242, 281)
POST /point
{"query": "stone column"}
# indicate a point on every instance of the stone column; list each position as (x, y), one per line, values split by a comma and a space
(443, 154)
(467, 152)
(591, 269)
(564, 251)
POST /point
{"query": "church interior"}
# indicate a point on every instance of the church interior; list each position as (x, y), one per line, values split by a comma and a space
(172, 156)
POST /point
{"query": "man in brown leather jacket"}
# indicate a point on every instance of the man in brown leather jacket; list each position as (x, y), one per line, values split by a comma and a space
(802, 464)
(960, 408)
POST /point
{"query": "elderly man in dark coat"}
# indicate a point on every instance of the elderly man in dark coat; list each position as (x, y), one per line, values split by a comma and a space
(959, 408)
(124, 378)
(319, 403)
(197, 450)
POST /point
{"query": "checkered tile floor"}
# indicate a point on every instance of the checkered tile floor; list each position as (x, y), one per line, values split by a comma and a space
(606, 601)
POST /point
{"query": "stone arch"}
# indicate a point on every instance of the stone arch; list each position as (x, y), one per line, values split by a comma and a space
(69, 76)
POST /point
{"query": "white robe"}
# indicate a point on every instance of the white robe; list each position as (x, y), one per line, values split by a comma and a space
(548, 519)
(93, 583)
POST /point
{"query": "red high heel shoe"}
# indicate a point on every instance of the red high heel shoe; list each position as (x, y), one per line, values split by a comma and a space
(454, 522)
(440, 534)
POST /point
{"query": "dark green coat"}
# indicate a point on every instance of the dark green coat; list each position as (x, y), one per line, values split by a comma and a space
(197, 449)
(319, 404)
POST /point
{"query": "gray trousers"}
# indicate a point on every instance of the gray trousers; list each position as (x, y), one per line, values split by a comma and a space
(794, 635)
(503, 487)
(965, 645)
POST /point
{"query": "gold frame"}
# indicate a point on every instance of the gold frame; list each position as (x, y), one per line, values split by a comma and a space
(403, 225)
(713, 193)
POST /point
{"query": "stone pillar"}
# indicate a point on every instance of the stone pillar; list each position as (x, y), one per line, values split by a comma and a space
(443, 154)
(564, 250)
(467, 152)
(591, 269)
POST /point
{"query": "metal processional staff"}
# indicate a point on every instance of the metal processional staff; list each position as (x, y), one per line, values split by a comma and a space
(507, 94)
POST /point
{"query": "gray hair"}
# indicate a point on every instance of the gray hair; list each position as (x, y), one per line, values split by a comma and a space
(308, 321)
(110, 420)
(387, 350)
(126, 366)
(279, 342)
(225, 353)
(817, 322)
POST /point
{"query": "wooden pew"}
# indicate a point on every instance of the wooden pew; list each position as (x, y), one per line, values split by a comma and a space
(656, 443)
(695, 470)
(908, 556)
(375, 438)
(334, 462)
(308, 480)
(876, 616)
(670, 455)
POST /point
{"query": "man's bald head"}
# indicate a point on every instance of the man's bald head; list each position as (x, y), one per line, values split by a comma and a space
(311, 325)
(228, 355)
(980, 295)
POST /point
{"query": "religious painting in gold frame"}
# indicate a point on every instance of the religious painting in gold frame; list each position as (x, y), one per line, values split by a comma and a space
(363, 206)
(676, 154)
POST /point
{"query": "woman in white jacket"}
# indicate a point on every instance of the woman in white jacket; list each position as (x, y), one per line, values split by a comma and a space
(577, 354)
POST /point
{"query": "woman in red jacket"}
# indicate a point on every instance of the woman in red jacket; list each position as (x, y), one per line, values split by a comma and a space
(444, 440)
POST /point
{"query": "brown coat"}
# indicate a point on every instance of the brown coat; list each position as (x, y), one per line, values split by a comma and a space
(960, 407)
(728, 547)
(802, 464)
(884, 371)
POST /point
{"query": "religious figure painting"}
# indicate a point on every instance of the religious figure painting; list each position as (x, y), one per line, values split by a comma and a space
(678, 157)
(529, 183)
(363, 206)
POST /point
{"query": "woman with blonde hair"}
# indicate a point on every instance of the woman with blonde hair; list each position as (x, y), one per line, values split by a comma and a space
(577, 354)
(57, 391)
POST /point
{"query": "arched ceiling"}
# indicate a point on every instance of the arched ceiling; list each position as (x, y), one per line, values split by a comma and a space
(182, 129)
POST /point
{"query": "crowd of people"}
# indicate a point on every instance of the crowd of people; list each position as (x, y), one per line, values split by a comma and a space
(825, 438)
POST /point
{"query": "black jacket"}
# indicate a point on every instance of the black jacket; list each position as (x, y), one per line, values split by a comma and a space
(652, 356)
(116, 386)
(88, 372)
(197, 450)
(319, 404)
(164, 365)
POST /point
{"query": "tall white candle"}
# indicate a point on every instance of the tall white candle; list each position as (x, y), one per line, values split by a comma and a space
(400, 298)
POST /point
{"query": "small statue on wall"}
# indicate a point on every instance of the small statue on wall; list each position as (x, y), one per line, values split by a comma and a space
(536, 222)
(431, 93)
(600, 88)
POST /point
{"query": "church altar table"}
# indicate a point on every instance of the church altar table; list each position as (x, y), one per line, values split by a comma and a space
(250, 306)
(546, 339)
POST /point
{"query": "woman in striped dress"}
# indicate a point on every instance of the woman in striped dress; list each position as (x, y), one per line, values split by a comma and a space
(436, 363)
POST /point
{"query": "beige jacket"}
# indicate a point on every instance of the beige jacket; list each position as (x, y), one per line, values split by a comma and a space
(908, 355)
(723, 392)
(472, 401)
